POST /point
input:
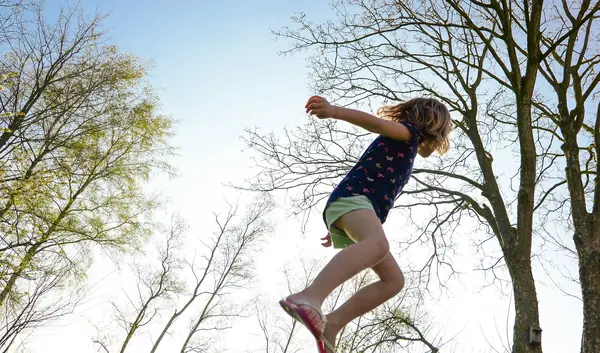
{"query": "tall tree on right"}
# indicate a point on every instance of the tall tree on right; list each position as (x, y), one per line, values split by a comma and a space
(570, 65)
(515, 73)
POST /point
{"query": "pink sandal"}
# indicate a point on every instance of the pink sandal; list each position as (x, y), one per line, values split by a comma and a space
(295, 310)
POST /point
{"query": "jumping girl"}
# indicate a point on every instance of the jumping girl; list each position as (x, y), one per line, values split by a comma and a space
(359, 205)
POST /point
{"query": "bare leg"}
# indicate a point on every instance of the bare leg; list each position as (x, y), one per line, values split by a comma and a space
(368, 298)
(370, 248)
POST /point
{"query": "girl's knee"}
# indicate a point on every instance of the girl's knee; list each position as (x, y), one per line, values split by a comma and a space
(395, 284)
(382, 246)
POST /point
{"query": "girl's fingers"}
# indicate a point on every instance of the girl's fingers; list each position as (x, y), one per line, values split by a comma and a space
(317, 106)
(313, 99)
(314, 106)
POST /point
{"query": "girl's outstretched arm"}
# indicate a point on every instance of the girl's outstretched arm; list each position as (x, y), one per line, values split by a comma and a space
(320, 107)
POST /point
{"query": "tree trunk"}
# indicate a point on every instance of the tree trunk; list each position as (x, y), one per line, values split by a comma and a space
(525, 300)
(518, 259)
(588, 248)
(587, 232)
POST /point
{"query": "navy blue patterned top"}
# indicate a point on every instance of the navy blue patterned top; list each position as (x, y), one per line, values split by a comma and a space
(381, 173)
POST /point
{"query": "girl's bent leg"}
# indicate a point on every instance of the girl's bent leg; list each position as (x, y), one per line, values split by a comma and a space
(368, 298)
(370, 248)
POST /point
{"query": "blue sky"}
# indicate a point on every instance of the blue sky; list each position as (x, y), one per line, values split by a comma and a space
(217, 71)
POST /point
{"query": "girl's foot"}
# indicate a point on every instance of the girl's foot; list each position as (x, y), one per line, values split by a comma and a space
(311, 306)
(307, 311)
(304, 297)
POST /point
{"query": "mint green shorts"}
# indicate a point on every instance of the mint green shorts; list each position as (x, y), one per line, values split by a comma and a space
(338, 208)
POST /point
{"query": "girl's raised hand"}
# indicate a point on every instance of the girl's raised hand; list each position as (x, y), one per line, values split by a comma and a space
(320, 107)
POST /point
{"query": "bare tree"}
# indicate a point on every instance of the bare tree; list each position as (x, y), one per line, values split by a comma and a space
(230, 265)
(157, 287)
(571, 67)
(225, 269)
(485, 61)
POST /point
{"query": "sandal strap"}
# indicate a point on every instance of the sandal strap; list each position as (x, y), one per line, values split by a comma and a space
(328, 344)
(317, 310)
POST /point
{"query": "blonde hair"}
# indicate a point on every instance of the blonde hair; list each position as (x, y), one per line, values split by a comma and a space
(428, 115)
